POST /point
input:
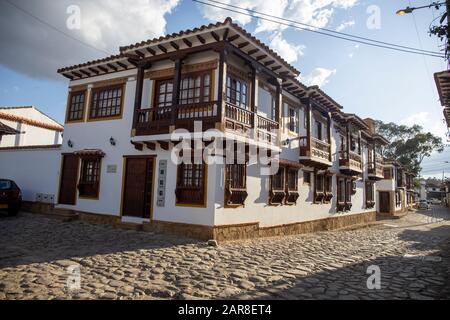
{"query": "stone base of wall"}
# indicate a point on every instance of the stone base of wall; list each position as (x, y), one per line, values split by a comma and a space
(253, 230)
(49, 210)
(98, 218)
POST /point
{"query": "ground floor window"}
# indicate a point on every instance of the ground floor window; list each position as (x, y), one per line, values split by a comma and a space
(370, 199)
(277, 187)
(328, 188)
(344, 193)
(89, 184)
(191, 184)
(307, 177)
(319, 188)
(236, 184)
(292, 186)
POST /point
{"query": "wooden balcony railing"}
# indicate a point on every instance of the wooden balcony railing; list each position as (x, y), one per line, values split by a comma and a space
(267, 129)
(350, 160)
(238, 118)
(158, 120)
(318, 149)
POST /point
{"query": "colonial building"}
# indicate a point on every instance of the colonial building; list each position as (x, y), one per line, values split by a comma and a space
(396, 191)
(27, 126)
(121, 159)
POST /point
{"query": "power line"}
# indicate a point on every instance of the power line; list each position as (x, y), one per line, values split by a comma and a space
(338, 35)
(55, 28)
(324, 29)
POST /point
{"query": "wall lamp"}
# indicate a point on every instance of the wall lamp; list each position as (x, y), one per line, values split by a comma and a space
(70, 143)
(112, 141)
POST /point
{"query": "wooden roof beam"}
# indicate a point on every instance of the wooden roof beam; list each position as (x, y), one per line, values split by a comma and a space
(174, 45)
(187, 42)
(243, 44)
(162, 48)
(232, 38)
(215, 36)
(201, 39)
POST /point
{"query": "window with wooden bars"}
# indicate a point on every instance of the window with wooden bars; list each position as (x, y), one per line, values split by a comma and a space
(349, 187)
(195, 88)
(106, 102)
(237, 91)
(328, 188)
(89, 184)
(75, 111)
(370, 198)
(292, 186)
(344, 194)
(191, 184)
(236, 184)
(277, 187)
(319, 191)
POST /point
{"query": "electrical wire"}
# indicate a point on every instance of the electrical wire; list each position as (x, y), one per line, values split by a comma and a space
(309, 28)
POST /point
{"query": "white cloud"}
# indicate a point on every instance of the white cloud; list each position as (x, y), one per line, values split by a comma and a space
(37, 50)
(318, 77)
(344, 25)
(430, 123)
(288, 51)
(316, 13)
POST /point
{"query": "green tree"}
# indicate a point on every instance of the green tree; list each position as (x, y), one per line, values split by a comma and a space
(409, 144)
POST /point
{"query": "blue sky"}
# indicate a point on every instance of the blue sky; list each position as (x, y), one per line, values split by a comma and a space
(372, 82)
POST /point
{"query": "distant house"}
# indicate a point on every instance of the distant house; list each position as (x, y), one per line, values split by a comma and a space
(28, 126)
(435, 189)
(30, 147)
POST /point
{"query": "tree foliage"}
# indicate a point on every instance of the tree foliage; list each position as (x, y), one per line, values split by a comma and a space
(408, 144)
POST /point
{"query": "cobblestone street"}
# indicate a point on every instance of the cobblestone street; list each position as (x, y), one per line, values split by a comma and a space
(412, 253)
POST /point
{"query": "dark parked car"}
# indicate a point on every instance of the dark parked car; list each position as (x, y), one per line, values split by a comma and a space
(10, 196)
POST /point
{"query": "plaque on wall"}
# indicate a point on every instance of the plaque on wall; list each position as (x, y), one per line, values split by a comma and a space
(161, 191)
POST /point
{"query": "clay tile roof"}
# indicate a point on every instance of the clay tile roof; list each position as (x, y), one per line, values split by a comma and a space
(90, 152)
(6, 130)
(31, 122)
(227, 23)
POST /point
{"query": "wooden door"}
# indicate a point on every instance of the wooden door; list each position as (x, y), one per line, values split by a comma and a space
(68, 181)
(138, 188)
(385, 201)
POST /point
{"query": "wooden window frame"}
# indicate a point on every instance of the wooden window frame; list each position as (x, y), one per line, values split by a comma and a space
(370, 194)
(345, 189)
(70, 106)
(89, 188)
(328, 188)
(235, 194)
(97, 91)
(181, 187)
(292, 193)
(243, 98)
(277, 195)
(293, 121)
(319, 188)
(201, 97)
(349, 191)
(398, 199)
(158, 83)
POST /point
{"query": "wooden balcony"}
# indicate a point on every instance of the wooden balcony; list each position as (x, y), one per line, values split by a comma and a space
(376, 170)
(350, 163)
(315, 154)
(160, 120)
(164, 120)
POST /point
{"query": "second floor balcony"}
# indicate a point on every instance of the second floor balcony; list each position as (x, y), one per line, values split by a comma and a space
(376, 169)
(350, 162)
(164, 120)
(315, 152)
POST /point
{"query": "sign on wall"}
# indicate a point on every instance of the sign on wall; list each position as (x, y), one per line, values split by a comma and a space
(161, 192)
(111, 168)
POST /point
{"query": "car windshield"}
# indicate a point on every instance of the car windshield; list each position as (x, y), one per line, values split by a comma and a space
(5, 184)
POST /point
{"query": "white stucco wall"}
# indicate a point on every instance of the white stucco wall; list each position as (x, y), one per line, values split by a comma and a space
(35, 171)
